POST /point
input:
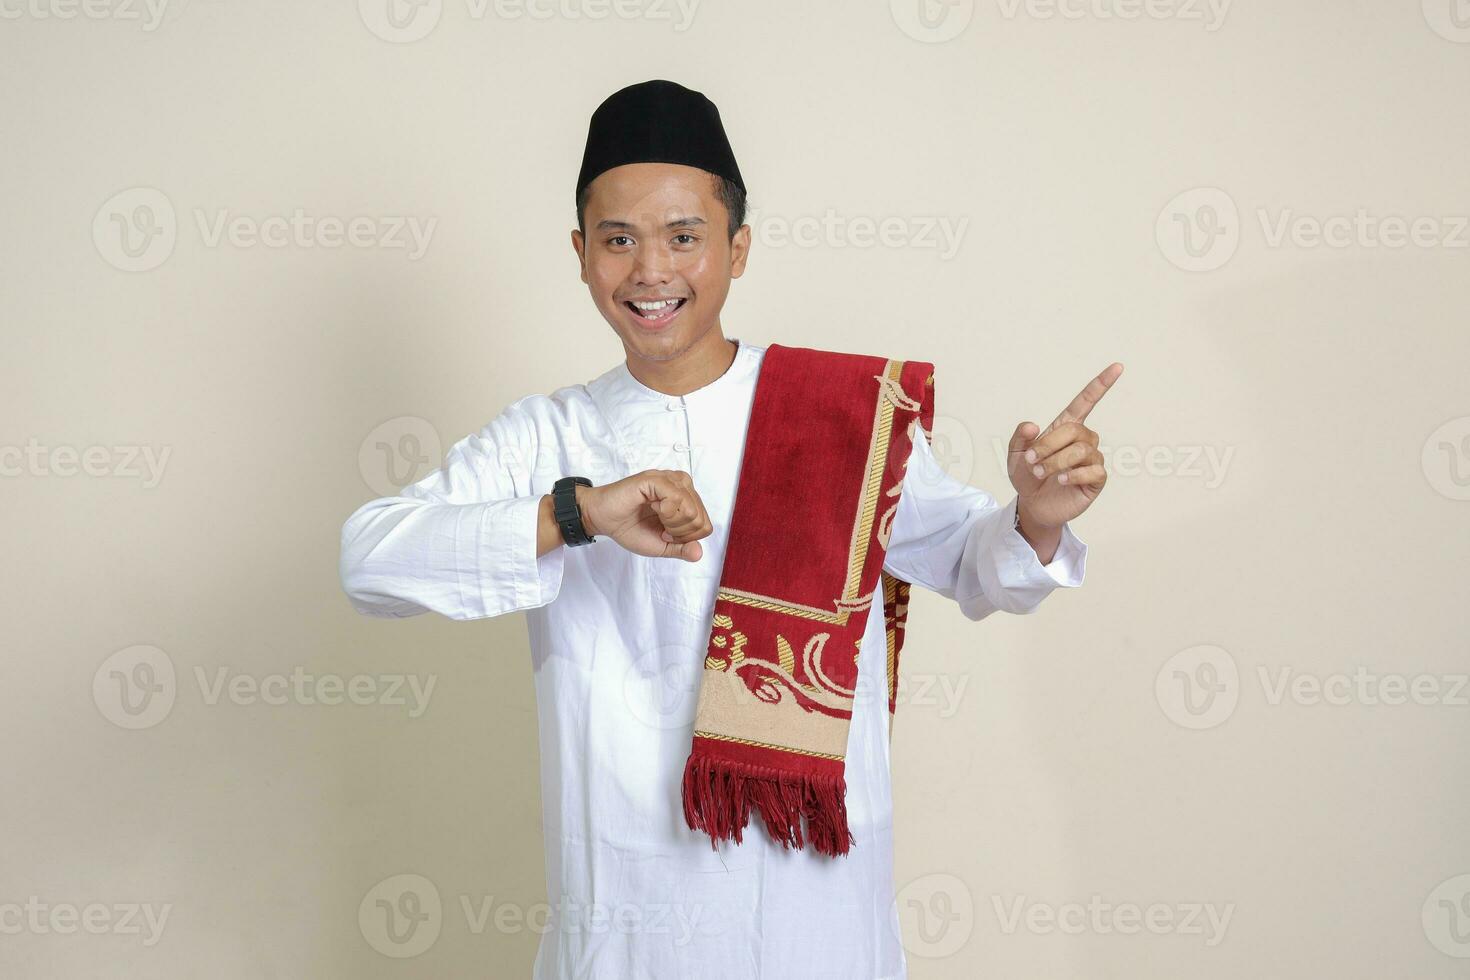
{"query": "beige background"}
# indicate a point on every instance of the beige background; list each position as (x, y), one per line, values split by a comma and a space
(1040, 760)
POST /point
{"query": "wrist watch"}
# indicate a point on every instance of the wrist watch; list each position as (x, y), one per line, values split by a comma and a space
(567, 512)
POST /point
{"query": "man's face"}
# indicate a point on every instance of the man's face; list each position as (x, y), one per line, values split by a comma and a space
(658, 236)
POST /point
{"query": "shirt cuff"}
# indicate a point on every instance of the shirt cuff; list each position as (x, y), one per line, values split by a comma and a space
(1068, 566)
(511, 576)
(1018, 569)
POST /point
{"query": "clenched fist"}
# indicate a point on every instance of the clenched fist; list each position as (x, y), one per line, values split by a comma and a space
(656, 513)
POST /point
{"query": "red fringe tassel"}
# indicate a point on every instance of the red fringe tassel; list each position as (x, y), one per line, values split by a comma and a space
(719, 794)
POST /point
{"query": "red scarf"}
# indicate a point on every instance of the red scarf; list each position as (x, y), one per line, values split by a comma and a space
(825, 452)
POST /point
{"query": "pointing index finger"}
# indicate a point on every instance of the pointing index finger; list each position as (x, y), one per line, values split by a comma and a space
(1088, 397)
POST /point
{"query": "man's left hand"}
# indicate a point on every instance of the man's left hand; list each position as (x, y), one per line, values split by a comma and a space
(1059, 471)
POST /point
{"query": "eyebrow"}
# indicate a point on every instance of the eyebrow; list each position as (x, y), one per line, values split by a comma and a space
(607, 224)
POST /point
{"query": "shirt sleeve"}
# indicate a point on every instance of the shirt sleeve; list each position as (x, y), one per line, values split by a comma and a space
(957, 540)
(460, 542)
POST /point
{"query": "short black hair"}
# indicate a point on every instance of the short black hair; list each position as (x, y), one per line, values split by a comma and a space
(729, 193)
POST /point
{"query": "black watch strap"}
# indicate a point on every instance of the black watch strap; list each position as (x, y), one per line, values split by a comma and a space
(568, 513)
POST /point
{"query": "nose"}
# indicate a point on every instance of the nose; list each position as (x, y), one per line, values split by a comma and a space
(653, 265)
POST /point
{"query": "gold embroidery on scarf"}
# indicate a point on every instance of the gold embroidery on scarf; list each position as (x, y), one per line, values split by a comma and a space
(890, 594)
(893, 391)
(877, 457)
(811, 662)
(755, 601)
(785, 656)
(736, 641)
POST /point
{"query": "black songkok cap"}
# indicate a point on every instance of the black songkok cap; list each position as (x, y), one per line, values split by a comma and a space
(657, 122)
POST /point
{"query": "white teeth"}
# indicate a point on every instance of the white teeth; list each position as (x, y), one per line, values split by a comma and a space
(656, 304)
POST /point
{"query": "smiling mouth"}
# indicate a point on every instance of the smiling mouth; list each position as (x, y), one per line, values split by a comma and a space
(658, 311)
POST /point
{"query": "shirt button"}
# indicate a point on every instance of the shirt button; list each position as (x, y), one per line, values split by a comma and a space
(680, 447)
(674, 406)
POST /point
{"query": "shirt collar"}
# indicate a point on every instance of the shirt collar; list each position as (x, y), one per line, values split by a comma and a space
(618, 392)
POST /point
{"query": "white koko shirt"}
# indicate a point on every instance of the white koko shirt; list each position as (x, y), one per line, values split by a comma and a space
(618, 644)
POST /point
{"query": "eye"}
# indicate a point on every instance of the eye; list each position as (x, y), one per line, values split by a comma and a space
(685, 234)
(613, 241)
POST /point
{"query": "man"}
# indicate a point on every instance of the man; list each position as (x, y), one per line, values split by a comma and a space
(619, 590)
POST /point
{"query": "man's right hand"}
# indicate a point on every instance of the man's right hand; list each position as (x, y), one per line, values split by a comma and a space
(656, 513)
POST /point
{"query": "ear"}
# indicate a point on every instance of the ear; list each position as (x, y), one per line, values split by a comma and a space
(579, 244)
(739, 251)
